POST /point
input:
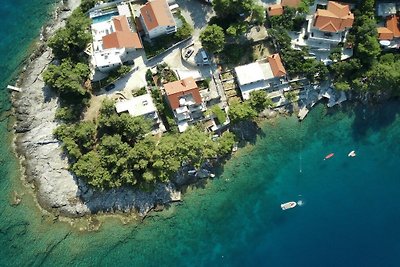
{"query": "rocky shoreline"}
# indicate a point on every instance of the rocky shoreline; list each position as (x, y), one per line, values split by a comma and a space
(43, 162)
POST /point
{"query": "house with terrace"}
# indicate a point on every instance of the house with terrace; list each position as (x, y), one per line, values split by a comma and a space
(142, 105)
(329, 26)
(186, 103)
(391, 29)
(113, 40)
(268, 74)
(156, 19)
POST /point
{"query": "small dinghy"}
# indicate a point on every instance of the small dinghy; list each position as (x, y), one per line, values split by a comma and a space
(329, 156)
(352, 154)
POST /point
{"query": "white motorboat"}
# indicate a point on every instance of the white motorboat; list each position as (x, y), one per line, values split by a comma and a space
(288, 205)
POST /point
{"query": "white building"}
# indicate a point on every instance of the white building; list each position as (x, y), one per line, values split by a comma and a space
(142, 105)
(185, 100)
(156, 19)
(329, 26)
(113, 39)
(260, 75)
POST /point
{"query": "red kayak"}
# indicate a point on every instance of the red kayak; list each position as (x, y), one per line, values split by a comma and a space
(329, 156)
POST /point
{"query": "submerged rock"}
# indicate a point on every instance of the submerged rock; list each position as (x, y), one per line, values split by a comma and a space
(15, 198)
(268, 113)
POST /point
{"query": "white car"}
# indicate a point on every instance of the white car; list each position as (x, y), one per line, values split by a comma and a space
(189, 52)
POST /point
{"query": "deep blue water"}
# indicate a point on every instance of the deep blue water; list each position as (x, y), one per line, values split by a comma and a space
(350, 215)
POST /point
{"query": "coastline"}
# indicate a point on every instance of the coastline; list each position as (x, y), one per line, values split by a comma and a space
(43, 163)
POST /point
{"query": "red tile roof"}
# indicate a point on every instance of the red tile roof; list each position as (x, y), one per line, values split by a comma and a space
(157, 13)
(384, 33)
(176, 90)
(336, 17)
(123, 36)
(291, 3)
(276, 65)
(392, 23)
(275, 10)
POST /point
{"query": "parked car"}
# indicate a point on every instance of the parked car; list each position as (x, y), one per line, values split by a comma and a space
(189, 52)
(204, 57)
(109, 87)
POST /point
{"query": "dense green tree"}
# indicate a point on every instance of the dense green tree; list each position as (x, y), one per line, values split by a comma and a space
(77, 138)
(85, 135)
(304, 6)
(70, 41)
(336, 54)
(315, 70)
(213, 38)
(67, 78)
(291, 96)
(89, 167)
(233, 8)
(218, 113)
(298, 22)
(294, 61)
(185, 30)
(259, 100)
(194, 146)
(141, 154)
(130, 128)
(369, 50)
(69, 113)
(280, 37)
(367, 8)
(258, 14)
(166, 158)
(344, 70)
(285, 20)
(71, 147)
(236, 29)
(342, 86)
(384, 77)
(226, 143)
(115, 158)
(241, 111)
(87, 4)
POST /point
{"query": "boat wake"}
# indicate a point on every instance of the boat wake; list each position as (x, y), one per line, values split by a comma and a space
(300, 203)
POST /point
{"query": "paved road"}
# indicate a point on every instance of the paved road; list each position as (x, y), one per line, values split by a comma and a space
(197, 14)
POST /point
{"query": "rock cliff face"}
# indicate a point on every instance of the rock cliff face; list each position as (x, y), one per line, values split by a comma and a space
(44, 161)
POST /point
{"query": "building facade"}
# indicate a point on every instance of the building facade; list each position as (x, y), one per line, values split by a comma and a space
(266, 75)
(156, 19)
(330, 26)
(112, 41)
(185, 101)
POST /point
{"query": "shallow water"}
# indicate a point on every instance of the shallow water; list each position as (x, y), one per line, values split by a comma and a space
(349, 215)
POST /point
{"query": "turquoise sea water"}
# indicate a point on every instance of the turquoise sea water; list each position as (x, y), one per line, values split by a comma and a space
(349, 217)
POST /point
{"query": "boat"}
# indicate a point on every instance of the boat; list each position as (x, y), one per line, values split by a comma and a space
(329, 156)
(288, 205)
(352, 154)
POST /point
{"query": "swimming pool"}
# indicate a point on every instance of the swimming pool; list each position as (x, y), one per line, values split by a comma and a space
(104, 17)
